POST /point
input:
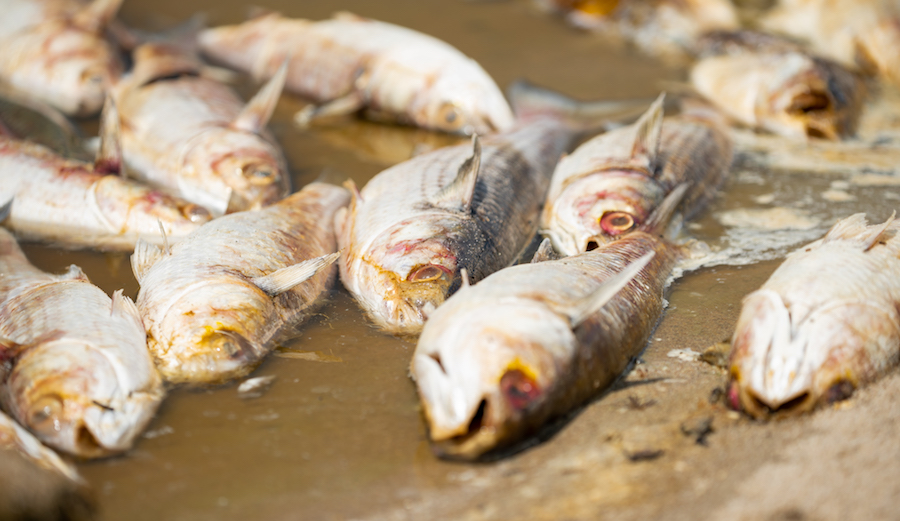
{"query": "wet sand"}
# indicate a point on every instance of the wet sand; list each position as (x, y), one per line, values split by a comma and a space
(345, 439)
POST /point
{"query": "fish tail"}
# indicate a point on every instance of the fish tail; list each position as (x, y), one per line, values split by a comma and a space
(530, 102)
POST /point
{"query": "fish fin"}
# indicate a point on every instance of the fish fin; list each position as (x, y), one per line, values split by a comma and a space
(6, 209)
(256, 114)
(284, 279)
(165, 238)
(154, 61)
(125, 308)
(659, 220)
(345, 105)
(95, 16)
(545, 252)
(109, 159)
(464, 275)
(855, 229)
(459, 193)
(144, 257)
(648, 130)
(73, 273)
(355, 194)
(599, 298)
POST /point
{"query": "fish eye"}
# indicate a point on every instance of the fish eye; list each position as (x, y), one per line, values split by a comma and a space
(427, 273)
(195, 213)
(44, 415)
(450, 117)
(92, 75)
(258, 173)
(616, 223)
(519, 389)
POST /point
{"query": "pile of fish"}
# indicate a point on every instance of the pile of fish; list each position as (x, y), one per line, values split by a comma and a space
(230, 263)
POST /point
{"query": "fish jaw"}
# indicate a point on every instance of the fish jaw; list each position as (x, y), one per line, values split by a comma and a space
(783, 364)
(70, 396)
(65, 66)
(584, 215)
(480, 378)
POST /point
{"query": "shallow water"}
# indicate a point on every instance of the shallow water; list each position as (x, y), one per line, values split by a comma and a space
(345, 440)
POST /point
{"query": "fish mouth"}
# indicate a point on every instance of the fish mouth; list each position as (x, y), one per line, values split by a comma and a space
(761, 407)
(476, 438)
(816, 111)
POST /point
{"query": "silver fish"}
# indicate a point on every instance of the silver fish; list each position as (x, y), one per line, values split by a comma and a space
(216, 303)
(77, 373)
(14, 437)
(529, 343)
(772, 84)
(194, 136)
(79, 205)
(609, 185)
(825, 323)
(350, 63)
(55, 50)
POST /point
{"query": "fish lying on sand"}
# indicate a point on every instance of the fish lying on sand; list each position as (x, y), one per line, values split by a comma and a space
(350, 63)
(14, 437)
(609, 185)
(413, 227)
(530, 343)
(856, 33)
(216, 303)
(193, 136)
(78, 205)
(55, 50)
(825, 323)
(76, 371)
(769, 83)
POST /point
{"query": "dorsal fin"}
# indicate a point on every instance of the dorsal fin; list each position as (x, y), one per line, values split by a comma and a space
(284, 279)
(154, 61)
(545, 252)
(95, 16)
(459, 193)
(647, 132)
(593, 302)
(125, 308)
(854, 229)
(144, 257)
(256, 114)
(659, 220)
(109, 158)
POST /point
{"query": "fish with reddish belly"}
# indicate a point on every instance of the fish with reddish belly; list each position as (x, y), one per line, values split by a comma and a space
(609, 185)
(14, 437)
(351, 63)
(825, 323)
(55, 50)
(76, 371)
(194, 137)
(503, 357)
(217, 303)
(855, 33)
(78, 205)
(769, 83)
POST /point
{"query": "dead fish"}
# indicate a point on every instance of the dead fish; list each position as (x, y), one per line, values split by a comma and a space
(14, 437)
(665, 28)
(349, 63)
(768, 83)
(412, 229)
(863, 34)
(195, 137)
(55, 51)
(79, 205)
(609, 185)
(530, 343)
(76, 369)
(215, 304)
(825, 323)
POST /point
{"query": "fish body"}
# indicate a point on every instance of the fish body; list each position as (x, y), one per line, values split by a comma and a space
(612, 183)
(768, 83)
(862, 34)
(415, 226)
(194, 137)
(824, 324)
(76, 370)
(531, 342)
(14, 437)
(355, 63)
(216, 304)
(55, 50)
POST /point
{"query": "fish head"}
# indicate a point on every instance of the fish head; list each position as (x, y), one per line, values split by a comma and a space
(70, 395)
(464, 100)
(487, 374)
(212, 332)
(131, 208)
(235, 170)
(787, 358)
(598, 209)
(66, 66)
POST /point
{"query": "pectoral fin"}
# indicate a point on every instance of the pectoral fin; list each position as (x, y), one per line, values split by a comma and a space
(109, 158)
(144, 257)
(545, 252)
(125, 308)
(342, 106)
(258, 111)
(155, 61)
(6, 210)
(458, 194)
(592, 303)
(284, 279)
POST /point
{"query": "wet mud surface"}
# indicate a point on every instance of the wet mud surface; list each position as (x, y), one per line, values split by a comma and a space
(339, 434)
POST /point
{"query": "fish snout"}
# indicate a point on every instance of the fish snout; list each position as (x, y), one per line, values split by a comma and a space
(219, 356)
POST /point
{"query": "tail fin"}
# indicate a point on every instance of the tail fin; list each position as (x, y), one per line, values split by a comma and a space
(530, 101)
(659, 220)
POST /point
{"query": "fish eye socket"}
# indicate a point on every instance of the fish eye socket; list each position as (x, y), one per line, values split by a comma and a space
(195, 214)
(450, 117)
(519, 389)
(259, 173)
(428, 273)
(44, 415)
(616, 223)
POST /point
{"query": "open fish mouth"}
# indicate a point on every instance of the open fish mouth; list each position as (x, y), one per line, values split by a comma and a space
(816, 111)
